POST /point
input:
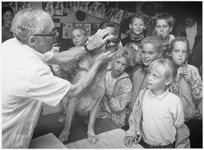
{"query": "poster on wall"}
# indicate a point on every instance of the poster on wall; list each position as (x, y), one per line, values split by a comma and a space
(83, 6)
(48, 7)
(58, 8)
(92, 8)
(108, 13)
(117, 16)
(66, 29)
(94, 28)
(100, 11)
(86, 26)
(67, 8)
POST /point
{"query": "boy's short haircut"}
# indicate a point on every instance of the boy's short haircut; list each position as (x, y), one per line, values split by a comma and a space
(125, 53)
(153, 40)
(139, 15)
(105, 24)
(164, 16)
(83, 30)
(180, 39)
(165, 67)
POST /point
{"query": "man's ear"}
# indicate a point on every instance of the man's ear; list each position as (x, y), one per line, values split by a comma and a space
(171, 29)
(168, 81)
(32, 41)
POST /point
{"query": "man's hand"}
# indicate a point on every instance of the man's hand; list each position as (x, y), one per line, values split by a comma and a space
(99, 39)
(129, 140)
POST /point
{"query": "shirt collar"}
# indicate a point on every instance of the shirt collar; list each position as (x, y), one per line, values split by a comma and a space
(193, 27)
(160, 97)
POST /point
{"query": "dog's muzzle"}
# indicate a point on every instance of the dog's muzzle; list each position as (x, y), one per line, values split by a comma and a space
(112, 45)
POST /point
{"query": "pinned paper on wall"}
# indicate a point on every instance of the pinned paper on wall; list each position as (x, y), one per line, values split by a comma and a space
(48, 7)
(66, 30)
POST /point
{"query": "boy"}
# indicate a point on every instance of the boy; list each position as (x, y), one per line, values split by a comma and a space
(157, 117)
(118, 88)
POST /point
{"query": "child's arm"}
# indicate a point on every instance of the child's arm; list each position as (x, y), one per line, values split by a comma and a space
(120, 101)
(136, 117)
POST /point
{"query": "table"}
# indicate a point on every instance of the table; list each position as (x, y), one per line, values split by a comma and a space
(109, 139)
(47, 141)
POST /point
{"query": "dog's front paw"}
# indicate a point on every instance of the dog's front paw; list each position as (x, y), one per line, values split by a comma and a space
(92, 138)
(63, 136)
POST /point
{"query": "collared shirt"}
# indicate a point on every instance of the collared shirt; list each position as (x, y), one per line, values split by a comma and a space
(27, 82)
(161, 115)
(191, 34)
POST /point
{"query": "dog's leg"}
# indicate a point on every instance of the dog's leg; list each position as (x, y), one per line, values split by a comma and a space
(91, 134)
(69, 115)
(63, 104)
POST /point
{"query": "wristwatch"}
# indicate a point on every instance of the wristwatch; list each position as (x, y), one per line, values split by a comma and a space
(85, 46)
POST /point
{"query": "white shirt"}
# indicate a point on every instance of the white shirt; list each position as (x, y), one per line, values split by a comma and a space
(26, 83)
(161, 115)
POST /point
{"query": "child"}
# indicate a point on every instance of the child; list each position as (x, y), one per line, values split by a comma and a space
(188, 86)
(118, 88)
(163, 25)
(151, 50)
(137, 26)
(79, 36)
(157, 115)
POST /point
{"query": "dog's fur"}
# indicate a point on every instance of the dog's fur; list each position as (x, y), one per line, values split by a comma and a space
(88, 103)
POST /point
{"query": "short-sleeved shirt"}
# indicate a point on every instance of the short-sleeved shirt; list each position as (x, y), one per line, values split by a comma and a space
(161, 115)
(26, 83)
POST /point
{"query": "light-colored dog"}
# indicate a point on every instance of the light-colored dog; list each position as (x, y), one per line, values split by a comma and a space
(88, 103)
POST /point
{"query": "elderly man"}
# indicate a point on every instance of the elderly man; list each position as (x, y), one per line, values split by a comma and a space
(28, 81)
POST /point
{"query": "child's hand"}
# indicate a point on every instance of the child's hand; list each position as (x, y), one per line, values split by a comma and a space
(188, 76)
(129, 140)
(179, 73)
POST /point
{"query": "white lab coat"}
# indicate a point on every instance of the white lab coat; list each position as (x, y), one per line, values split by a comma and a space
(26, 83)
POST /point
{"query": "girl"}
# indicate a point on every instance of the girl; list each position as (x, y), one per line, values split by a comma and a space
(188, 86)
(137, 26)
(151, 50)
(7, 18)
(163, 25)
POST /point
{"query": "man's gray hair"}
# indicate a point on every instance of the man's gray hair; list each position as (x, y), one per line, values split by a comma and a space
(30, 21)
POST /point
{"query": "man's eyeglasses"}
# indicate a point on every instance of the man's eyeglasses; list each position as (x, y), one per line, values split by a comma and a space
(53, 33)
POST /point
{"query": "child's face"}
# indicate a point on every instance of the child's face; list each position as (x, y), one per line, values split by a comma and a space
(179, 52)
(155, 80)
(111, 30)
(149, 53)
(79, 38)
(137, 26)
(162, 29)
(119, 66)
